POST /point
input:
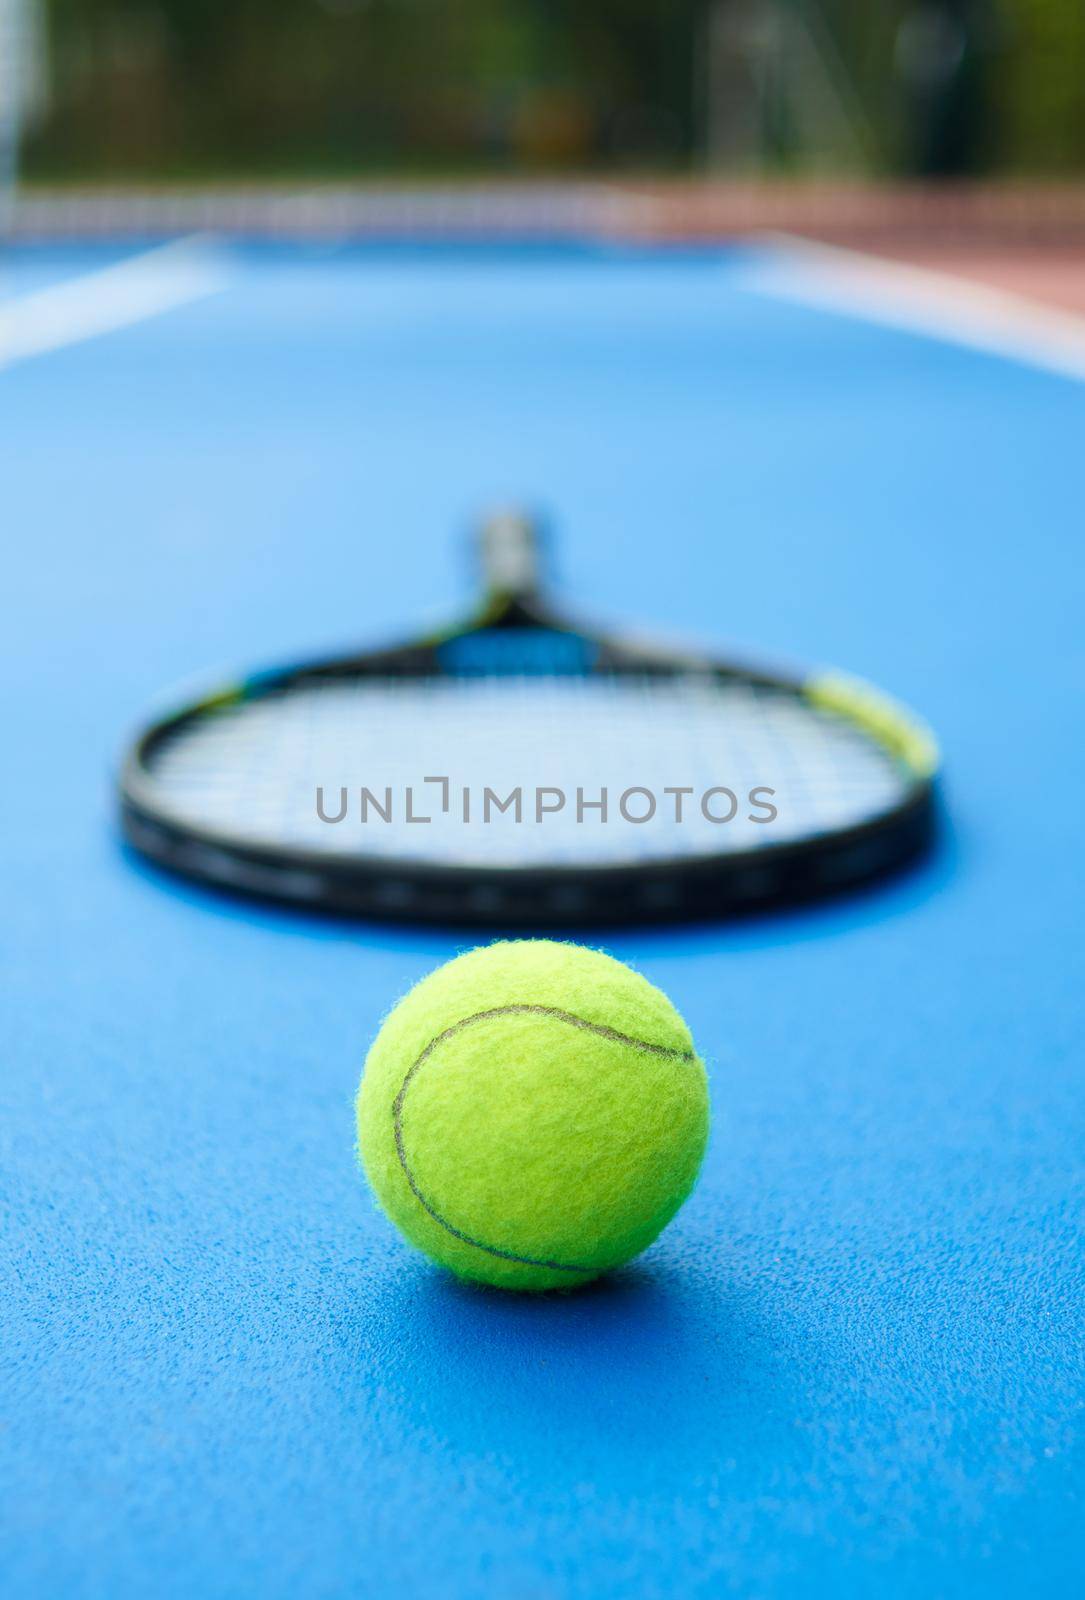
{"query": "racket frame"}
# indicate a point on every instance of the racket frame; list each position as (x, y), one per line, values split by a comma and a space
(655, 890)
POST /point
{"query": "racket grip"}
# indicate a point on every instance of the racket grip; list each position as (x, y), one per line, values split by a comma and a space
(509, 547)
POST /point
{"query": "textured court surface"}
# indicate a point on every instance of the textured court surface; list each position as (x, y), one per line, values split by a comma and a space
(855, 1364)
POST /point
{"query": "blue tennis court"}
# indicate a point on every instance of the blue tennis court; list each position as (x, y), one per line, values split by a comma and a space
(855, 1363)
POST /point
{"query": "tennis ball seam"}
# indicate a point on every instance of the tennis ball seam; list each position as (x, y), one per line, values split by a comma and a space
(601, 1031)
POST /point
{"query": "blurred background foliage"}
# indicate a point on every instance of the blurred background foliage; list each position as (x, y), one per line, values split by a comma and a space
(139, 89)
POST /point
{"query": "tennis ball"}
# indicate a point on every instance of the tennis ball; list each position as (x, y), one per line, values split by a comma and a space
(532, 1114)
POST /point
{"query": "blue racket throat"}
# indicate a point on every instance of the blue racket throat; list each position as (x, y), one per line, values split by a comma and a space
(518, 652)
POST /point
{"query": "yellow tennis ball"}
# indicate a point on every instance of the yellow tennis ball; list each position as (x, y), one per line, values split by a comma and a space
(532, 1114)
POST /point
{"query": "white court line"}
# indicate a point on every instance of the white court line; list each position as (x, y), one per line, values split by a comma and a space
(115, 297)
(936, 305)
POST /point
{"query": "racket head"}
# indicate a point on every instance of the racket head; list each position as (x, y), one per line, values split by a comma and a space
(258, 788)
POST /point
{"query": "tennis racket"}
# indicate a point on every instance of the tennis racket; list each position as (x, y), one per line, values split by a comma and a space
(520, 769)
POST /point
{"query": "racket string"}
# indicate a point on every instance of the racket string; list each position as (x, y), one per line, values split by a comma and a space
(252, 770)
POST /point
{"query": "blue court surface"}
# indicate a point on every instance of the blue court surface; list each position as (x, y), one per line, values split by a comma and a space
(855, 1363)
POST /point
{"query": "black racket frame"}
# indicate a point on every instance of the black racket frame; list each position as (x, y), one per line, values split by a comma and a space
(361, 886)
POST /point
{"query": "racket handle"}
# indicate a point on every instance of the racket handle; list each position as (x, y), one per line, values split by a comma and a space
(509, 545)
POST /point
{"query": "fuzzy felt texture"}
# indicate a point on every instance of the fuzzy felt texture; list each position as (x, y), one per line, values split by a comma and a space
(532, 1114)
